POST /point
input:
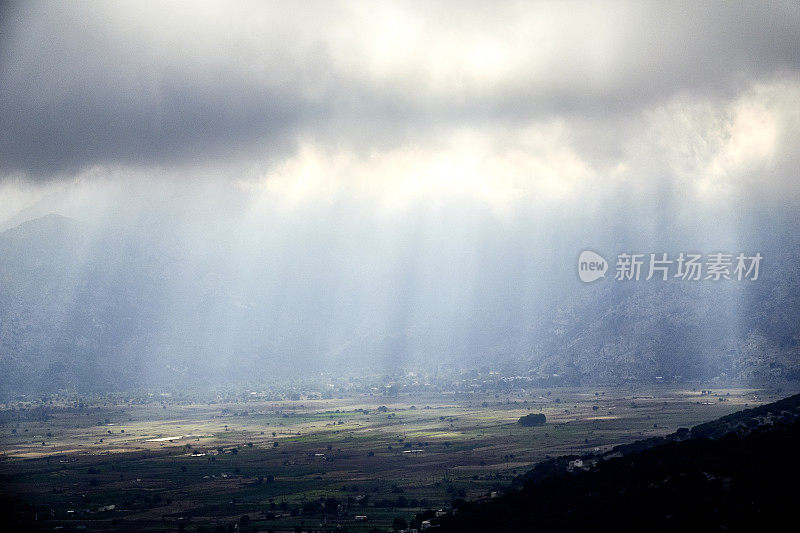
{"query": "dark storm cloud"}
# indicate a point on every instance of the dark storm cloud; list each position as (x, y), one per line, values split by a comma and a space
(144, 84)
(72, 96)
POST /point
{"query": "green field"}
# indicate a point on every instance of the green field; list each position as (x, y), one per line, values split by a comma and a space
(313, 464)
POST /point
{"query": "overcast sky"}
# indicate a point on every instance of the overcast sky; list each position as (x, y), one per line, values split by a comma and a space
(309, 175)
(401, 99)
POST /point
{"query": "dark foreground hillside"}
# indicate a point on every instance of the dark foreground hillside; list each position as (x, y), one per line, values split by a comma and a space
(739, 473)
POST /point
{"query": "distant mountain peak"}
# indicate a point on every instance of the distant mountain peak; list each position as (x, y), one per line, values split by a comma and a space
(50, 221)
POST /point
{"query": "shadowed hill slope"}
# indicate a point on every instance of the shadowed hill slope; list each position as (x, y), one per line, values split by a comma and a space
(737, 473)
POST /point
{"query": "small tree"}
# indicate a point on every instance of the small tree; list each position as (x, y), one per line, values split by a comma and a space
(533, 419)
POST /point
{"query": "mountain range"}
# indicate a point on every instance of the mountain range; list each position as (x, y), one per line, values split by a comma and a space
(82, 309)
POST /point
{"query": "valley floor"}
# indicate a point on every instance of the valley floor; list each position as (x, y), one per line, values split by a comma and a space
(312, 464)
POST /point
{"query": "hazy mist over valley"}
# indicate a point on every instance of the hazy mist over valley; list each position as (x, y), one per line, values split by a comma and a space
(172, 298)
